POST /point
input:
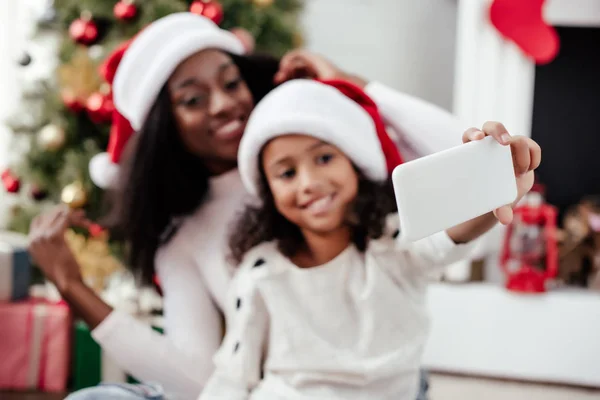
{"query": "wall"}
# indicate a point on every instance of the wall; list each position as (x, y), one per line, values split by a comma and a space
(407, 44)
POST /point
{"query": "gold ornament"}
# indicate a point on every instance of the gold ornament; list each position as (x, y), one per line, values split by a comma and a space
(263, 3)
(74, 195)
(95, 258)
(80, 74)
(51, 137)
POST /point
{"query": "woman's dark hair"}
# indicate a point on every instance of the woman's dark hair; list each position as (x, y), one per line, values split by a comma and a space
(257, 224)
(164, 181)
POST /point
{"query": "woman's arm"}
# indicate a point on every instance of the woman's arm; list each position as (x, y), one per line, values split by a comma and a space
(51, 253)
(426, 127)
(181, 361)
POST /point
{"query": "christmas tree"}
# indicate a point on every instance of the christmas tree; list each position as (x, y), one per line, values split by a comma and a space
(66, 119)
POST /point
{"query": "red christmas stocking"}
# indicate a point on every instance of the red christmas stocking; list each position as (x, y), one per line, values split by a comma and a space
(521, 21)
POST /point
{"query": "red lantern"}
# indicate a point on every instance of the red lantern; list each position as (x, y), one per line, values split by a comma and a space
(125, 10)
(210, 9)
(11, 183)
(83, 30)
(529, 256)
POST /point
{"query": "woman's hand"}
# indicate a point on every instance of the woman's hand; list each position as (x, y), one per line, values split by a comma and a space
(526, 154)
(302, 63)
(49, 248)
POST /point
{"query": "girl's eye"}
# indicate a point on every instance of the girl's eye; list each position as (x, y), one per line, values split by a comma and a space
(287, 174)
(233, 84)
(324, 159)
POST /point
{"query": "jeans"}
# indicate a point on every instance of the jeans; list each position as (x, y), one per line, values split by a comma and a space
(119, 391)
(126, 391)
(423, 385)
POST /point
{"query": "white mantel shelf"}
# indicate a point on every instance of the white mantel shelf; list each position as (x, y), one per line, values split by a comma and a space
(573, 12)
(483, 329)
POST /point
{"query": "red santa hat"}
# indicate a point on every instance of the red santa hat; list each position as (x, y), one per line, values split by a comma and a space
(335, 111)
(139, 68)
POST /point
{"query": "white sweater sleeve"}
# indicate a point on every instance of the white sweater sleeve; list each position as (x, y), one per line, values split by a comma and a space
(426, 127)
(426, 257)
(181, 361)
(239, 361)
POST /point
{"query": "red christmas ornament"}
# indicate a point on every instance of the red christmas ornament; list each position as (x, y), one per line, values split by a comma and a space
(83, 30)
(11, 183)
(125, 10)
(210, 9)
(95, 230)
(71, 101)
(100, 107)
(522, 22)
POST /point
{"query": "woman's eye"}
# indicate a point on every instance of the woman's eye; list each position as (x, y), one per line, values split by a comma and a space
(324, 159)
(193, 101)
(233, 84)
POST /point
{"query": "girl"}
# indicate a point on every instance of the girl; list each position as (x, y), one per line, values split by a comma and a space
(327, 304)
(187, 90)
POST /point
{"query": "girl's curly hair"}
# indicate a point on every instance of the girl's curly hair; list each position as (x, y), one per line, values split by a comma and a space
(258, 224)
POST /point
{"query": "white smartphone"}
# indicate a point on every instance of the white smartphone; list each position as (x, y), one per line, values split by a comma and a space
(439, 191)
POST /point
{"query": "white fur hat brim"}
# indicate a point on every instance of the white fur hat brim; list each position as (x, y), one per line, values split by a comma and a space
(156, 52)
(315, 109)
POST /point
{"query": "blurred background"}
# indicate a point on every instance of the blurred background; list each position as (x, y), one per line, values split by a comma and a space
(531, 64)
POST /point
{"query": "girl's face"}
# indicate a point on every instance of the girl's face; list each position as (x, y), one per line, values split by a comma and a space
(211, 103)
(313, 183)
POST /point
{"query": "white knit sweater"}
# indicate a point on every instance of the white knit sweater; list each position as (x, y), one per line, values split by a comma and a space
(195, 277)
(351, 329)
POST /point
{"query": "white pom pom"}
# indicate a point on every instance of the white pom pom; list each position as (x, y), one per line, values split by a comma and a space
(103, 171)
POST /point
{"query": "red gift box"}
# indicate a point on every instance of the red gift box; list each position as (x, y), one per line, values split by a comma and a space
(34, 345)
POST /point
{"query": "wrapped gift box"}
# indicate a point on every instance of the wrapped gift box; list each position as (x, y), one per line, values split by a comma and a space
(92, 366)
(15, 267)
(34, 345)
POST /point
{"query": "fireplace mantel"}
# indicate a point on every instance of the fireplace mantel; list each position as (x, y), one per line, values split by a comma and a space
(573, 12)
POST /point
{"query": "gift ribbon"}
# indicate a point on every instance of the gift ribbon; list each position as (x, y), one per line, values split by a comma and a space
(38, 340)
(36, 372)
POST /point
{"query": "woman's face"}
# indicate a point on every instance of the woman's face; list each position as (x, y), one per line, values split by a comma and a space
(211, 103)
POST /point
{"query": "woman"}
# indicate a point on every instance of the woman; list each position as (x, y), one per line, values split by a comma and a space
(187, 91)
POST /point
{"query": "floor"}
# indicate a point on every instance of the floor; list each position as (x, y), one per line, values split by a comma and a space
(445, 387)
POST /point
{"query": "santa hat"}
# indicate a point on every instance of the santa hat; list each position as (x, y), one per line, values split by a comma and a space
(336, 112)
(140, 68)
